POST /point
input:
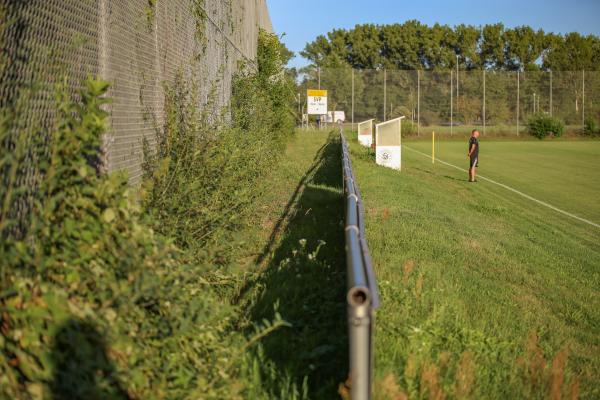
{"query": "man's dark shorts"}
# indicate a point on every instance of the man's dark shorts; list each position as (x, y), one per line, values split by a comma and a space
(473, 162)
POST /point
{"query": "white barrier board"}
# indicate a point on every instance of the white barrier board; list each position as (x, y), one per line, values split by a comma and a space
(389, 156)
(365, 133)
(388, 143)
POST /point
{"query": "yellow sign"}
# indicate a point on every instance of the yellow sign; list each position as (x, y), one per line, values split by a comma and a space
(316, 93)
(316, 102)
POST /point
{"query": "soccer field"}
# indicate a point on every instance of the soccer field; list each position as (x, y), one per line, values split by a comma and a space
(562, 173)
(486, 293)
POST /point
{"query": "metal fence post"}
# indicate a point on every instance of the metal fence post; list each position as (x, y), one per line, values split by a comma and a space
(550, 92)
(103, 54)
(418, 102)
(451, 105)
(484, 101)
(457, 79)
(319, 76)
(384, 94)
(518, 95)
(583, 100)
(352, 99)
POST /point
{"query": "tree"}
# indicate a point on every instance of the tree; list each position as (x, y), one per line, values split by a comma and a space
(317, 50)
(401, 46)
(493, 45)
(365, 44)
(523, 48)
(413, 45)
(572, 52)
(466, 47)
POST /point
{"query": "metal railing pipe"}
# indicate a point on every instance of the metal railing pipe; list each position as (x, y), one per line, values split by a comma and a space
(362, 295)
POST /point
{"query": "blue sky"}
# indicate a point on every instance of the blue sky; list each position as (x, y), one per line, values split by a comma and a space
(303, 20)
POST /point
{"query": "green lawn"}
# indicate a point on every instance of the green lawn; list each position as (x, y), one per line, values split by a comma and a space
(486, 294)
(565, 174)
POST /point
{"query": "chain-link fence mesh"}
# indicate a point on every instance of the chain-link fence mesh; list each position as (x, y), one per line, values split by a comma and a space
(136, 45)
(139, 46)
(497, 102)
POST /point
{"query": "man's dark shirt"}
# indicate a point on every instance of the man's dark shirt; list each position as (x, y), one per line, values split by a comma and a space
(474, 141)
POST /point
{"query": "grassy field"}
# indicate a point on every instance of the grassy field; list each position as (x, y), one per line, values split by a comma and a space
(565, 174)
(486, 294)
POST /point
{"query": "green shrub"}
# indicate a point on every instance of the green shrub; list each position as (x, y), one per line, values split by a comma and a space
(542, 125)
(96, 300)
(590, 127)
(93, 304)
(203, 177)
(409, 128)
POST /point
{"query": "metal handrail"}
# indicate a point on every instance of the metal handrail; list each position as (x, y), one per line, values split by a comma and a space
(363, 295)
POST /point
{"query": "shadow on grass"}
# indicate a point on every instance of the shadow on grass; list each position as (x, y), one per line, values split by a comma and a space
(455, 178)
(309, 288)
(82, 367)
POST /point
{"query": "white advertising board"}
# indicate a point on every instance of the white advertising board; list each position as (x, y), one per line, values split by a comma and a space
(389, 156)
(316, 102)
(388, 143)
(365, 133)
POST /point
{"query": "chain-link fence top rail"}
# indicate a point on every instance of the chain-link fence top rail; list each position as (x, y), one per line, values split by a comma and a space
(136, 45)
(496, 99)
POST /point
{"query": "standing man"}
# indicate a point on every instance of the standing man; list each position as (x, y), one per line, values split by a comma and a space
(473, 154)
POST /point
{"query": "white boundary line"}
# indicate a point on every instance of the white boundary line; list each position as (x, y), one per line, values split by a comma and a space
(568, 214)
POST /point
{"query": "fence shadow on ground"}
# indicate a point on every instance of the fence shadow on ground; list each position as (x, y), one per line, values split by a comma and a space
(310, 291)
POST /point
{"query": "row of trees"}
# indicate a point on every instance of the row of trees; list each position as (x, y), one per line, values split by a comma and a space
(413, 45)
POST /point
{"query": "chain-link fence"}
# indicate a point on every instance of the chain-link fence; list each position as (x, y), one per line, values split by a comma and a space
(136, 45)
(497, 102)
